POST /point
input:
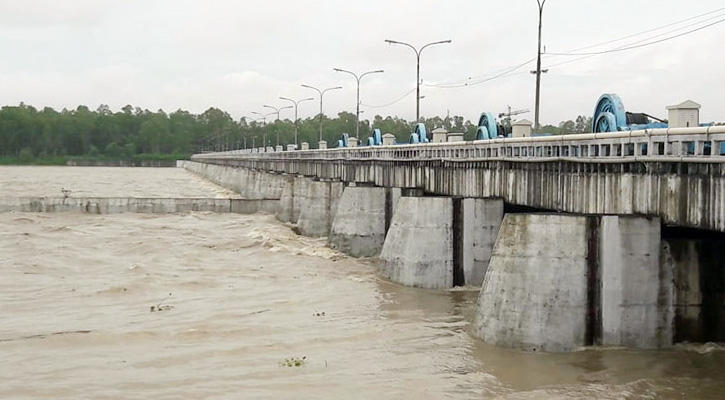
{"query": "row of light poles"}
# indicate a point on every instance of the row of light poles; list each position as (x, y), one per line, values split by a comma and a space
(417, 51)
(418, 82)
(358, 78)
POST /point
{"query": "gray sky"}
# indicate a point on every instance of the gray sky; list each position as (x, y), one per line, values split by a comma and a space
(239, 55)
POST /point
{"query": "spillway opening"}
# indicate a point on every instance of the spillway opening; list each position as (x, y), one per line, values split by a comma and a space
(698, 261)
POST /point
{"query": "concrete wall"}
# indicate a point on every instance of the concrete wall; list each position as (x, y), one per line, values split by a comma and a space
(251, 184)
(112, 205)
(535, 296)
(418, 250)
(360, 221)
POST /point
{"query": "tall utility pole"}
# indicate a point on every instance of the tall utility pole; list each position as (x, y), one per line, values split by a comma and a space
(357, 78)
(538, 68)
(321, 92)
(277, 110)
(296, 103)
(417, 69)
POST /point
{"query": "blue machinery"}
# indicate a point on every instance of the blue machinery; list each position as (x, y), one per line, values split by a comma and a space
(610, 116)
(420, 135)
(343, 140)
(376, 139)
(487, 127)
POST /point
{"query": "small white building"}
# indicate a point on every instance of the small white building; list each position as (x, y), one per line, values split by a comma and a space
(521, 128)
(684, 115)
(388, 139)
(439, 135)
(455, 137)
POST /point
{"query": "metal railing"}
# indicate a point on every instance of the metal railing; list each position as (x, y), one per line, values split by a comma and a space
(701, 144)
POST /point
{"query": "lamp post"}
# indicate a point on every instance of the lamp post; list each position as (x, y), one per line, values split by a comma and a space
(296, 103)
(321, 92)
(357, 78)
(263, 117)
(277, 110)
(417, 68)
(538, 68)
(243, 121)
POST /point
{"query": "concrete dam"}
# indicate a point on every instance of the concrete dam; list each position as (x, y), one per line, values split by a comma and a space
(614, 239)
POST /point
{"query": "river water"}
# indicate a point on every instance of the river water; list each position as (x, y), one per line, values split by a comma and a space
(234, 297)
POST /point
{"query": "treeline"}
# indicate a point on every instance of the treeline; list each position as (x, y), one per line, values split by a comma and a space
(28, 133)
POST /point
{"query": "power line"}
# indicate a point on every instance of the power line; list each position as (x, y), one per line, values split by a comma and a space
(502, 74)
(473, 81)
(652, 30)
(408, 93)
(639, 45)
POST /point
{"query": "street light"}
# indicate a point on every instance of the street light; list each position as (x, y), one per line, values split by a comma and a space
(277, 110)
(357, 78)
(538, 68)
(264, 129)
(321, 92)
(296, 103)
(417, 79)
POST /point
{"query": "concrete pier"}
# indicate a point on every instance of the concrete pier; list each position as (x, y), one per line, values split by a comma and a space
(361, 220)
(535, 296)
(637, 291)
(418, 250)
(441, 242)
(287, 211)
(318, 207)
(481, 223)
(561, 282)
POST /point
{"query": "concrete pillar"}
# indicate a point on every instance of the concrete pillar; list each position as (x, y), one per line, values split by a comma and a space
(481, 222)
(287, 211)
(318, 208)
(322, 144)
(535, 296)
(418, 250)
(305, 145)
(300, 192)
(360, 222)
(637, 291)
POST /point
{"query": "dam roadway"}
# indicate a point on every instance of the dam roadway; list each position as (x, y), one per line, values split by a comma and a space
(577, 240)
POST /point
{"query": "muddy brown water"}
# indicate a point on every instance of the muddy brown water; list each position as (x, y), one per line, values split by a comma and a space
(240, 295)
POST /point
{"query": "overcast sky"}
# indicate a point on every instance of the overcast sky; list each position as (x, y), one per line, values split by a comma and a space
(240, 55)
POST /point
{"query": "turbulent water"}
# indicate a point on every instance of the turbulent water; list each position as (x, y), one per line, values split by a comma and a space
(215, 306)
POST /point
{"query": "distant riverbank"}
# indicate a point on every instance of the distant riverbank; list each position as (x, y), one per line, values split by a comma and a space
(139, 160)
